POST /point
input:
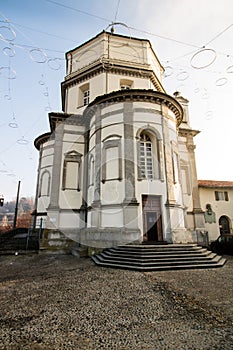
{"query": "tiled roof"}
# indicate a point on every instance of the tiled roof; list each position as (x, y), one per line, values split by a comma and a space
(214, 183)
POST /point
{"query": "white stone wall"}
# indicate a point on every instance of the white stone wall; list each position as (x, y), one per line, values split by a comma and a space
(220, 208)
(46, 166)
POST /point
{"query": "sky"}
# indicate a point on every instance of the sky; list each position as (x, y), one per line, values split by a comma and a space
(192, 39)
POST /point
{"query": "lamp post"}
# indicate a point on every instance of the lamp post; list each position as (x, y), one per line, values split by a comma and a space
(16, 206)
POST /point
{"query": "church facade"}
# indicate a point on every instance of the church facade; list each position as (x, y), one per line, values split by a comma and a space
(118, 165)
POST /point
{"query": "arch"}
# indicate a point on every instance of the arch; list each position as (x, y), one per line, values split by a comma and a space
(112, 137)
(150, 130)
(224, 224)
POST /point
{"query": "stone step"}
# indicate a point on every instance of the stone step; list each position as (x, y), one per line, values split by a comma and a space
(149, 262)
(157, 248)
(159, 258)
(218, 264)
(158, 254)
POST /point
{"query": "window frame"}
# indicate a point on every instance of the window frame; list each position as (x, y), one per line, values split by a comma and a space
(44, 173)
(113, 141)
(86, 97)
(72, 157)
(146, 156)
(221, 196)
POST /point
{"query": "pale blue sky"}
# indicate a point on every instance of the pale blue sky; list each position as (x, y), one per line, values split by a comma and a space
(35, 35)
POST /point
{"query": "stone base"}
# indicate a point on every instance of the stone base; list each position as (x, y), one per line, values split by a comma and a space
(108, 237)
(76, 241)
(55, 242)
(182, 235)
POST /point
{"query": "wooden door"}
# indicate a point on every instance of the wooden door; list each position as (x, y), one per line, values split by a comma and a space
(152, 220)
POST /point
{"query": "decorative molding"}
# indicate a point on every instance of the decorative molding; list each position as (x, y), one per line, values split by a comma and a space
(191, 148)
(136, 95)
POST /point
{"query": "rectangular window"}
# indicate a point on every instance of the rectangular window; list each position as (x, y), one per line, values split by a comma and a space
(125, 87)
(221, 196)
(112, 163)
(175, 168)
(86, 97)
(146, 161)
(71, 180)
(126, 84)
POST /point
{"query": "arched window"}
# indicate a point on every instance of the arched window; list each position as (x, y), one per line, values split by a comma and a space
(149, 154)
(45, 183)
(91, 170)
(146, 156)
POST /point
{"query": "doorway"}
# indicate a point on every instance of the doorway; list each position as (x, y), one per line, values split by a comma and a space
(224, 225)
(152, 219)
(152, 230)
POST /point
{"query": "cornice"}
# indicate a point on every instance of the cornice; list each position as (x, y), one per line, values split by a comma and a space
(56, 118)
(113, 67)
(136, 95)
(42, 139)
(110, 66)
(69, 119)
(187, 132)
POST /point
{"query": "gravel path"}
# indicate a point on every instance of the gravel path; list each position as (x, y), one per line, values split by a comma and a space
(61, 302)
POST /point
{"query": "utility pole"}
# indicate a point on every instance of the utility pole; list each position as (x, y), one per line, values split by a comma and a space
(16, 206)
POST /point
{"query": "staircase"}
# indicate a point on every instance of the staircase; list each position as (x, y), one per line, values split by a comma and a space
(158, 257)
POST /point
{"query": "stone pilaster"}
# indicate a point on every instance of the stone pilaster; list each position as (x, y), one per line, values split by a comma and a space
(83, 209)
(130, 202)
(198, 213)
(53, 208)
(37, 189)
(129, 153)
(95, 216)
(168, 158)
(56, 174)
(98, 160)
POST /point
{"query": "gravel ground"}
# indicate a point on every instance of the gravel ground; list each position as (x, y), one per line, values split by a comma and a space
(61, 302)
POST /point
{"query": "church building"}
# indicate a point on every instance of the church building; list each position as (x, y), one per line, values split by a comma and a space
(118, 164)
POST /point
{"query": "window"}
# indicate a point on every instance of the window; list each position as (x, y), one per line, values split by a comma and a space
(112, 163)
(125, 87)
(86, 96)
(112, 160)
(146, 158)
(71, 179)
(45, 184)
(185, 178)
(91, 170)
(221, 196)
(175, 168)
(126, 84)
(149, 154)
(71, 171)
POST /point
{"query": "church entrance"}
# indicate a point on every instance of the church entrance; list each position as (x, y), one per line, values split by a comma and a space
(152, 220)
